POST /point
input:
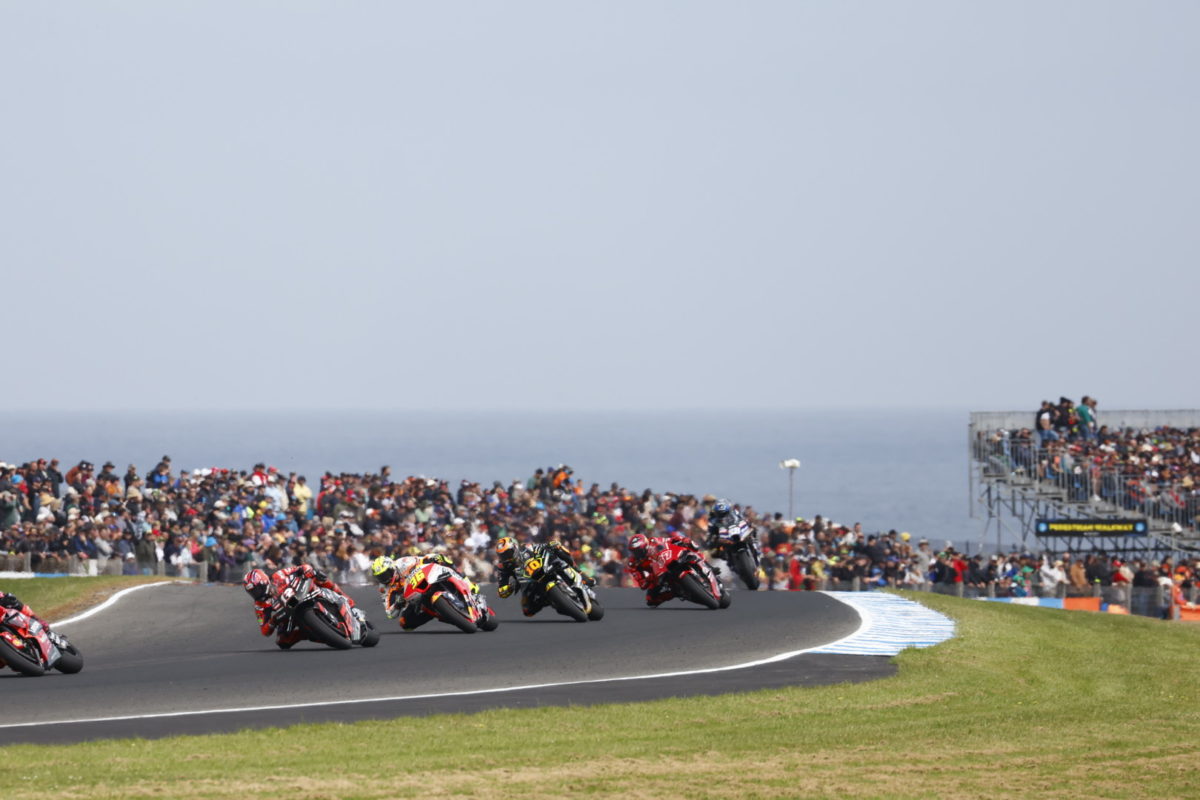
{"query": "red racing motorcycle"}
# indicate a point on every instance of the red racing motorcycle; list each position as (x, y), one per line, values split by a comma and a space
(30, 648)
(685, 572)
(450, 597)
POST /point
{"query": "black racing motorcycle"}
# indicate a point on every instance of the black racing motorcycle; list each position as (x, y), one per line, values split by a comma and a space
(737, 544)
(549, 578)
(324, 615)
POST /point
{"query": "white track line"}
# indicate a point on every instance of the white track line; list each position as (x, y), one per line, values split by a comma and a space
(466, 693)
(781, 656)
(110, 601)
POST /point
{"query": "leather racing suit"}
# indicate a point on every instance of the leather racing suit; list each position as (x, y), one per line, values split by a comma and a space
(642, 571)
(412, 613)
(273, 618)
(11, 601)
(510, 579)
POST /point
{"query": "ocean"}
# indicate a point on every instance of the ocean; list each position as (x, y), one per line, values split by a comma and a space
(886, 469)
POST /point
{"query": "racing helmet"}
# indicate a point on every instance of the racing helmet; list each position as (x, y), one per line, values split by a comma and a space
(638, 544)
(256, 584)
(721, 509)
(383, 569)
(506, 549)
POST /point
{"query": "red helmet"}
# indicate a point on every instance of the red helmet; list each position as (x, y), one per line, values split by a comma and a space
(638, 543)
(256, 584)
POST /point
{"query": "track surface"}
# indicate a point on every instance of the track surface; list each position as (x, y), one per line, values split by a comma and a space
(180, 649)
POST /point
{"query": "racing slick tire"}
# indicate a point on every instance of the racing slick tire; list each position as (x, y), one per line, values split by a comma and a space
(565, 604)
(489, 622)
(597, 612)
(370, 636)
(449, 613)
(320, 629)
(20, 661)
(743, 566)
(691, 588)
(71, 660)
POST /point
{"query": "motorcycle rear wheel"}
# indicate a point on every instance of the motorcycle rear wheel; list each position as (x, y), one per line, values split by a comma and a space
(71, 660)
(320, 629)
(20, 661)
(449, 613)
(743, 565)
(565, 604)
(693, 590)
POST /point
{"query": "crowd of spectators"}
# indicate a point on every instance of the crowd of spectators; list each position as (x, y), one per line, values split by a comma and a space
(1151, 471)
(220, 523)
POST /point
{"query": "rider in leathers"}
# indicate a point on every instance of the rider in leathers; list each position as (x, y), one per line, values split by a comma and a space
(723, 515)
(508, 571)
(272, 618)
(393, 574)
(11, 601)
(642, 549)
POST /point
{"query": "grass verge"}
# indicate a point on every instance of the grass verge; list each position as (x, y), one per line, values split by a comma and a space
(58, 598)
(1027, 701)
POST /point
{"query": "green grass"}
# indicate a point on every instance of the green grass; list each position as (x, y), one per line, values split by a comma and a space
(1025, 702)
(57, 598)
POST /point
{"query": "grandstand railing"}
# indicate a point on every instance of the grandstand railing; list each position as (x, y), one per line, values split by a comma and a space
(1172, 507)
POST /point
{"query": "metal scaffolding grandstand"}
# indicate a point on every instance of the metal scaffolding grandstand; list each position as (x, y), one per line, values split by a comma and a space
(1052, 496)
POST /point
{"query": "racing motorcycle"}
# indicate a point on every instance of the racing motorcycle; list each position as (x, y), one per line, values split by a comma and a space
(324, 615)
(738, 546)
(451, 598)
(685, 572)
(549, 577)
(28, 647)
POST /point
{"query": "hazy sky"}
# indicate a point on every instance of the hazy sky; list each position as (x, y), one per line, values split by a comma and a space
(603, 205)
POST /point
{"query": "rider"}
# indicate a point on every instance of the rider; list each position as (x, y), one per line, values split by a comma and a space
(392, 574)
(11, 601)
(641, 552)
(265, 592)
(723, 515)
(269, 612)
(512, 555)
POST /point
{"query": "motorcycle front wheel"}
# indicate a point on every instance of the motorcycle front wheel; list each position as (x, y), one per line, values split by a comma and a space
(451, 614)
(743, 565)
(71, 660)
(20, 660)
(370, 636)
(489, 621)
(321, 629)
(691, 588)
(597, 612)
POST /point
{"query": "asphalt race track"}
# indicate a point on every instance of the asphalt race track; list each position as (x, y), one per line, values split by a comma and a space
(160, 655)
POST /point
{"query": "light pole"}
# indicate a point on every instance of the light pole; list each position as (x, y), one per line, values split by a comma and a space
(791, 465)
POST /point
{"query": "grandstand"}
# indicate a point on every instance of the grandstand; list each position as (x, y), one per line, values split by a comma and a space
(1130, 490)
